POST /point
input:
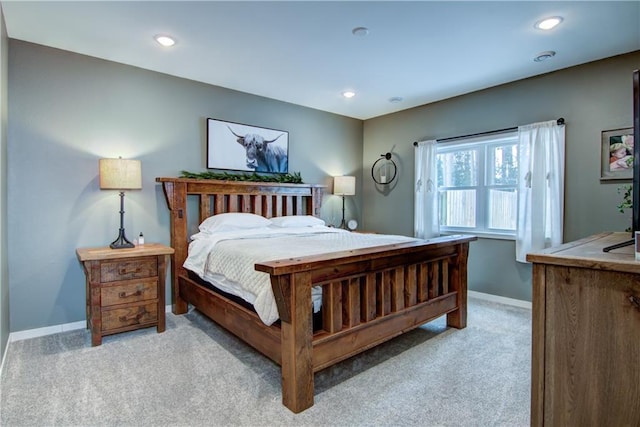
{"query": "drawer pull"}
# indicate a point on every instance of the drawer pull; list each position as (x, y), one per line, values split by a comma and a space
(635, 301)
(135, 294)
(124, 271)
(137, 317)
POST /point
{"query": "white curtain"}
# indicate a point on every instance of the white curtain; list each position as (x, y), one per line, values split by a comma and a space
(426, 223)
(540, 187)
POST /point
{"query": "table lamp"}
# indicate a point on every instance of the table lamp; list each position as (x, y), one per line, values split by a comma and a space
(120, 174)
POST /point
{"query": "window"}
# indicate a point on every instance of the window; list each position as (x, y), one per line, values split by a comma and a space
(477, 184)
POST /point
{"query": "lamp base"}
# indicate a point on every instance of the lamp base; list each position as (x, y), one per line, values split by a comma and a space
(343, 223)
(121, 242)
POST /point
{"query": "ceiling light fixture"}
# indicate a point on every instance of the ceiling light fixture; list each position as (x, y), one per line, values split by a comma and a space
(543, 56)
(348, 94)
(360, 31)
(165, 41)
(548, 23)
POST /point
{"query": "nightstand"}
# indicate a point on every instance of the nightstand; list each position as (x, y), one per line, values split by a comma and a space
(125, 288)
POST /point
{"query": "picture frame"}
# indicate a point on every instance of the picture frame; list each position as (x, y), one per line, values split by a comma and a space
(242, 147)
(616, 154)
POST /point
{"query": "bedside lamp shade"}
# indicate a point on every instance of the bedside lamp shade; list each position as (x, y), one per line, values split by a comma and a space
(120, 174)
(344, 185)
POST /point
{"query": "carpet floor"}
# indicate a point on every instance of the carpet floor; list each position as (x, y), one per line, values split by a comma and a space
(196, 374)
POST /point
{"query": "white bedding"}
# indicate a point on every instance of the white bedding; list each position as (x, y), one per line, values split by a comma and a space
(227, 259)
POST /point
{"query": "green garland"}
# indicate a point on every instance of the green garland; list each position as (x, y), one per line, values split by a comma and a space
(288, 178)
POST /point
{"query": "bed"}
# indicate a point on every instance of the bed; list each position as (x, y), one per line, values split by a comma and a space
(369, 295)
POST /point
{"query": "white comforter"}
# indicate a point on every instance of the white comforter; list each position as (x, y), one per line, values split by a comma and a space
(227, 259)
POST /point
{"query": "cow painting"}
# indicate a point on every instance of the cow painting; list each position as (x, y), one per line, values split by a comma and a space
(261, 154)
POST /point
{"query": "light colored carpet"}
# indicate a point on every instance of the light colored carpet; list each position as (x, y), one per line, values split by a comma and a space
(196, 374)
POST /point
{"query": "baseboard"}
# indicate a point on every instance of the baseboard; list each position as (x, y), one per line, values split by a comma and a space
(50, 330)
(502, 300)
(4, 357)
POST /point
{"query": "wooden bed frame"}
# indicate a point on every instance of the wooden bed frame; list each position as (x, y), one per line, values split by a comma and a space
(369, 295)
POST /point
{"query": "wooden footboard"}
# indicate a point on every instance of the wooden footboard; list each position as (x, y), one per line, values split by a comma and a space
(369, 295)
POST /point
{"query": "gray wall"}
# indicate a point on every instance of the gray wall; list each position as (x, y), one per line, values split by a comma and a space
(4, 272)
(67, 110)
(592, 98)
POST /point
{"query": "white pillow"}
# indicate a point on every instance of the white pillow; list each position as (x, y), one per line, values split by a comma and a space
(296, 221)
(233, 221)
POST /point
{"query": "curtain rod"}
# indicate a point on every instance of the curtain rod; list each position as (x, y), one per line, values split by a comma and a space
(560, 121)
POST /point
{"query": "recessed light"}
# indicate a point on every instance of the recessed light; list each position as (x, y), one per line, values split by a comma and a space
(543, 56)
(395, 99)
(548, 23)
(165, 41)
(360, 31)
(348, 94)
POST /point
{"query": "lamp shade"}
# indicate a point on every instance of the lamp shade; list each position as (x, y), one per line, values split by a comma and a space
(344, 185)
(120, 174)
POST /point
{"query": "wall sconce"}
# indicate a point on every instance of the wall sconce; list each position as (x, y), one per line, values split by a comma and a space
(384, 170)
(120, 174)
(344, 186)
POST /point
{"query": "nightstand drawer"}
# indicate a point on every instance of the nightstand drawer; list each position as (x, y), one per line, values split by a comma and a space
(133, 291)
(127, 316)
(125, 269)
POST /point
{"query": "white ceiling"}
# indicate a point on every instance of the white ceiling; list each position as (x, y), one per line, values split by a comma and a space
(304, 52)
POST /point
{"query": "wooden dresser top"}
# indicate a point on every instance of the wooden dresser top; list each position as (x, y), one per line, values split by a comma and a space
(588, 253)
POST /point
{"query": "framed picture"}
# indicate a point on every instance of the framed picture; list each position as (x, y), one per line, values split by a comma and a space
(617, 154)
(241, 147)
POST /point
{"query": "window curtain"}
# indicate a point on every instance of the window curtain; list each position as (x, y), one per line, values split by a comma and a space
(426, 223)
(540, 187)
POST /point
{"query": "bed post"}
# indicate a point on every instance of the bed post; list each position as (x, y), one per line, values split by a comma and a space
(176, 196)
(297, 340)
(316, 201)
(458, 283)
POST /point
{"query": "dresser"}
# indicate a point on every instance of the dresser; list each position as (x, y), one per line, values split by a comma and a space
(586, 334)
(125, 288)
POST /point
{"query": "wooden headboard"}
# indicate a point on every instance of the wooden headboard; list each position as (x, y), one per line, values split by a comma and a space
(215, 197)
